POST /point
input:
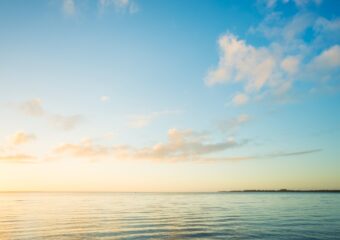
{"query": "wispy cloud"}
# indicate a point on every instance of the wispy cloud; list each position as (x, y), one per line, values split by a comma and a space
(329, 59)
(120, 5)
(20, 137)
(65, 122)
(282, 154)
(240, 99)
(69, 7)
(20, 158)
(104, 98)
(290, 154)
(34, 108)
(86, 149)
(290, 64)
(270, 4)
(10, 150)
(234, 123)
(141, 121)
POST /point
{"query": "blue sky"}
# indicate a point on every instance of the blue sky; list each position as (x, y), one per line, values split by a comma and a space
(124, 95)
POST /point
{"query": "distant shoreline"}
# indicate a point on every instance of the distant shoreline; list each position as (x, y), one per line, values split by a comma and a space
(224, 191)
(281, 191)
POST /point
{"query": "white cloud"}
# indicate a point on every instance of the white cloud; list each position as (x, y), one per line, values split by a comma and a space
(256, 69)
(294, 28)
(240, 62)
(325, 25)
(328, 59)
(270, 71)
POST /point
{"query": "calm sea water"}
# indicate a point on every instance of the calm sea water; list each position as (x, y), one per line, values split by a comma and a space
(169, 216)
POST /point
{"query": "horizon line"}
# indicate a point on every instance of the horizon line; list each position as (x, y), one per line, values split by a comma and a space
(221, 191)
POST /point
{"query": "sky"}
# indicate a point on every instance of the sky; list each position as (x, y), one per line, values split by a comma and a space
(169, 96)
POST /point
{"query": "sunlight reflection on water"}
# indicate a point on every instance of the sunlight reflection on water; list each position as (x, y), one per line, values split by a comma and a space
(169, 216)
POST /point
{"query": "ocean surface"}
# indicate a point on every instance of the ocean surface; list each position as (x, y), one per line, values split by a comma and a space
(169, 216)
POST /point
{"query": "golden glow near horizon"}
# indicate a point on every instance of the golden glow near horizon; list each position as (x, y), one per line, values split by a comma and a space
(224, 98)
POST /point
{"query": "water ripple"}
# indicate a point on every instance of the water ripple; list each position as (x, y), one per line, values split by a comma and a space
(169, 216)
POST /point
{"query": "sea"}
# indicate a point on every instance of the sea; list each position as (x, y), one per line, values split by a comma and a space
(169, 216)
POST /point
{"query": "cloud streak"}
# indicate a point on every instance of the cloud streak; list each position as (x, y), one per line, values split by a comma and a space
(85, 149)
(34, 108)
(10, 150)
(141, 121)
(182, 145)
(120, 5)
(18, 158)
(290, 154)
(65, 123)
(234, 123)
(271, 4)
(240, 99)
(20, 138)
